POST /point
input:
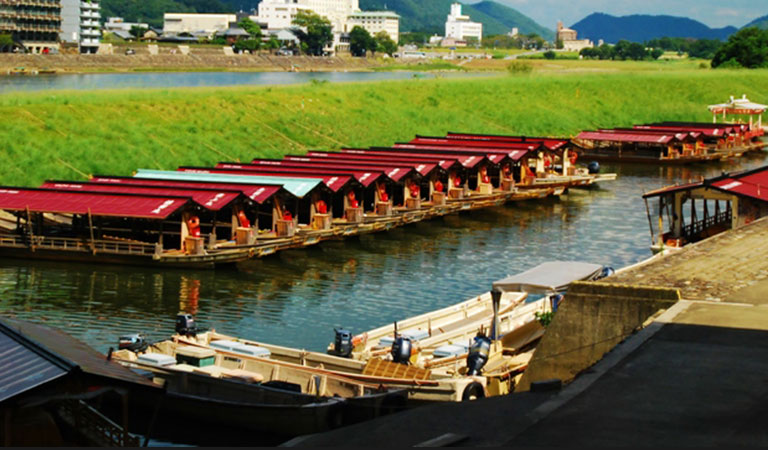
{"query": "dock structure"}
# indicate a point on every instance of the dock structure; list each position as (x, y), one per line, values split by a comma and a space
(689, 373)
(236, 211)
(672, 142)
(698, 210)
(48, 374)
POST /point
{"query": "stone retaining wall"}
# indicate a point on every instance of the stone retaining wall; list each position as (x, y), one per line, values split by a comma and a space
(592, 320)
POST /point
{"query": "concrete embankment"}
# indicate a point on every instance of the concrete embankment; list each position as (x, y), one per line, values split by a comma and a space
(692, 375)
(205, 59)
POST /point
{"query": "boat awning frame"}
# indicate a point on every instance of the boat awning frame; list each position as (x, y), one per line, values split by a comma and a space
(549, 277)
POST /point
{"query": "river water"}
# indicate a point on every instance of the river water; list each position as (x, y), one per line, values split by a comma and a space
(298, 297)
(199, 79)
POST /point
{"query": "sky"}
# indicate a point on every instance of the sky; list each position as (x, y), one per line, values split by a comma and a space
(713, 13)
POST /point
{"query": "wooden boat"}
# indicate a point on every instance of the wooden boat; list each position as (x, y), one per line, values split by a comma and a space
(441, 337)
(245, 389)
(419, 383)
(434, 324)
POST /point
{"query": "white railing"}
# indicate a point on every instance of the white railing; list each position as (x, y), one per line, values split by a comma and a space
(79, 245)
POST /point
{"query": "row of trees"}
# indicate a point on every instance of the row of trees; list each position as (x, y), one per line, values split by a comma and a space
(746, 48)
(623, 50)
(361, 43)
(695, 48)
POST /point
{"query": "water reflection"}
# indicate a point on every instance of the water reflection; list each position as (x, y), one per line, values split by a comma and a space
(297, 297)
(200, 79)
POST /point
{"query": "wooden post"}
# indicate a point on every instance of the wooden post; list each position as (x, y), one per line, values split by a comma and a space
(661, 221)
(29, 229)
(90, 226)
(650, 223)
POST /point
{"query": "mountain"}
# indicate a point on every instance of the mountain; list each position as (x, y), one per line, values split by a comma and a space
(415, 15)
(151, 11)
(761, 22)
(429, 16)
(642, 28)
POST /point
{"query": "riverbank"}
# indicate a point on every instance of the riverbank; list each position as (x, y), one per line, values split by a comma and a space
(70, 135)
(196, 61)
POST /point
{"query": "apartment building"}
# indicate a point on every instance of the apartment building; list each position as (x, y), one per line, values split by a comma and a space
(36, 24)
(460, 27)
(80, 24)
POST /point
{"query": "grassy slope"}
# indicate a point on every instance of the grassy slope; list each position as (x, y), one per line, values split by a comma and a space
(66, 135)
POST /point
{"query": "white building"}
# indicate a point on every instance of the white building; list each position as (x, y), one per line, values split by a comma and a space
(280, 13)
(80, 24)
(570, 40)
(117, 23)
(376, 21)
(343, 15)
(459, 26)
(177, 23)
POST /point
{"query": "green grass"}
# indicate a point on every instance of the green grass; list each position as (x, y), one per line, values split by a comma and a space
(426, 65)
(68, 135)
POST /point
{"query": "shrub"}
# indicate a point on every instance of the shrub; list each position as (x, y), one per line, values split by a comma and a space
(519, 67)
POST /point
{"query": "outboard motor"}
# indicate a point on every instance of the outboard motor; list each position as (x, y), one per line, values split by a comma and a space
(593, 167)
(607, 272)
(342, 345)
(185, 325)
(401, 350)
(556, 299)
(134, 342)
(478, 354)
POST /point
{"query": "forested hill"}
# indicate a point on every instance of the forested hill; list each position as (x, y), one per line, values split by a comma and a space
(416, 15)
(429, 16)
(642, 28)
(761, 22)
(151, 11)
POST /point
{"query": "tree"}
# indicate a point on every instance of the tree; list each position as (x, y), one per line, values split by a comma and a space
(360, 41)
(747, 48)
(385, 44)
(314, 32)
(550, 55)
(247, 44)
(272, 44)
(138, 31)
(251, 27)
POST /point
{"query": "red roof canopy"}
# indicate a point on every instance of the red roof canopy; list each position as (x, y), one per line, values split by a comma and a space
(550, 143)
(422, 168)
(395, 174)
(397, 158)
(627, 137)
(711, 132)
(111, 205)
(394, 171)
(471, 143)
(679, 135)
(303, 172)
(333, 182)
(753, 185)
(365, 177)
(494, 155)
(257, 193)
(213, 200)
(468, 159)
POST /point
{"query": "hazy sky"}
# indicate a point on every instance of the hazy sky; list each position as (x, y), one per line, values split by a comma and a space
(714, 13)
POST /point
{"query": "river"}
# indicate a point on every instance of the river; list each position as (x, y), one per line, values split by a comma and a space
(200, 79)
(298, 297)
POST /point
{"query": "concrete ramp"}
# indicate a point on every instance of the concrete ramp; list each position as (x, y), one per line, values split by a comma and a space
(228, 51)
(591, 321)
(153, 49)
(184, 49)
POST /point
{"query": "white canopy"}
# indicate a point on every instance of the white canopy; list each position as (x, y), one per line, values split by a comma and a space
(549, 277)
(739, 104)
